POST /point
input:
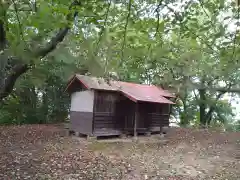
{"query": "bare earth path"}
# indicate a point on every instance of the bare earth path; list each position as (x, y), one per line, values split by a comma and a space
(43, 152)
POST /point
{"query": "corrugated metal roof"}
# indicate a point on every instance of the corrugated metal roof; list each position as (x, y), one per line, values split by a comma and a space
(96, 83)
(138, 92)
(149, 93)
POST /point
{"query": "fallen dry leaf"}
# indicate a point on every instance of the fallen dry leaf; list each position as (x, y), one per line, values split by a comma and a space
(44, 152)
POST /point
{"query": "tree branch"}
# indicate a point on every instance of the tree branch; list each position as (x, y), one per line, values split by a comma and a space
(156, 32)
(213, 106)
(180, 17)
(49, 47)
(53, 43)
(3, 39)
(158, 17)
(104, 26)
(219, 89)
(235, 38)
(19, 69)
(208, 116)
(9, 82)
(125, 31)
(19, 23)
(202, 6)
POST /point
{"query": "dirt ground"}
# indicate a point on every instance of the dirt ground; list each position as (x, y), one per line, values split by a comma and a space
(43, 152)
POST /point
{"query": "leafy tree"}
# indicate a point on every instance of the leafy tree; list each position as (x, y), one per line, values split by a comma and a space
(23, 31)
(190, 50)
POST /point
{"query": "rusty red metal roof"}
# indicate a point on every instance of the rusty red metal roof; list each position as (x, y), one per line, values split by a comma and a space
(135, 92)
(96, 83)
(148, 93)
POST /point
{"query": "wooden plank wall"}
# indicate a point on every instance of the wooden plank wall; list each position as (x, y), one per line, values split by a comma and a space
(81, 122)
(153, 116)
(105, 113)
(114, 114)
(126, 113)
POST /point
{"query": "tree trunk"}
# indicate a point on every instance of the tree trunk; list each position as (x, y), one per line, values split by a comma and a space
(202, 107)
(9, 79)
(184, 119)
(45, 106)
(136, 121)
(184, 115)
(212, 108)
(3, 40)
(34, 98)
(8, 82)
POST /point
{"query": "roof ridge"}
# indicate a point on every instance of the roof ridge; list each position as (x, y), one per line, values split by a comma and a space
(119, 81)
(136, 90)
(137, 83)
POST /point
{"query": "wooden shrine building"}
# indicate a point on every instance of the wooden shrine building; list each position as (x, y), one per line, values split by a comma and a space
(101, 108)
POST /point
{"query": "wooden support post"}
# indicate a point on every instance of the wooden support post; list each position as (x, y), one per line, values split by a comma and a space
(67, 132)
(67, 129)
(135, 121)
(91, 138)
(148, 133)
(123, 136)
(161, 130)
(77, 134)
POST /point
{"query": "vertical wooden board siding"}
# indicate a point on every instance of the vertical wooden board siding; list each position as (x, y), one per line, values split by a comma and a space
(94, 109)
(114, 113)
(136, 119)
(81, 122)
(126, 114)
(153, 116)
(82, 101)
(105, 101)
(106, 121)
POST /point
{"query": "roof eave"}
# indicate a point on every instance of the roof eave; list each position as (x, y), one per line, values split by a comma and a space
(157, 102)
(71, 80)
